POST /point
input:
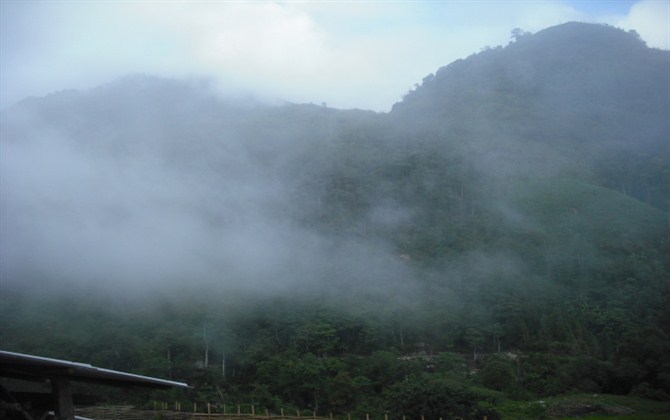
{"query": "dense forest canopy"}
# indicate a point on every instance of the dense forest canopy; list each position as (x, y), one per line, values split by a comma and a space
(507, 220)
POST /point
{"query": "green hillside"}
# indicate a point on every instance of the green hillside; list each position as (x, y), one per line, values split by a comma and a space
(501, 236)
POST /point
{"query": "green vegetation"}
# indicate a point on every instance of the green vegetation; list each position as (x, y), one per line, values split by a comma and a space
(497, 245)
(586, 406)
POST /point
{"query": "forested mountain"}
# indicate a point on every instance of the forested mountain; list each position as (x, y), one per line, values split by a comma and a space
(505, 226)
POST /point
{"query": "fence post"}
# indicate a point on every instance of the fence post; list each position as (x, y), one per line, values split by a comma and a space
(253, 410)
(282, 412)
(238, 410)
(195, 407)
(209, 409)
(297, 413)
(267, 414)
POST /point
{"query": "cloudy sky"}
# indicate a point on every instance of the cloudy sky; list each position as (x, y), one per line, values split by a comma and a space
(344, 53)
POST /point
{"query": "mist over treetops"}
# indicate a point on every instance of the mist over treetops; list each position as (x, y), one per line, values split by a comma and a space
(516, 199)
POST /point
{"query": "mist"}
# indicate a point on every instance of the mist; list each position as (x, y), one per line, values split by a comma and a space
(498, 237)
(133, 195)
(149, 185)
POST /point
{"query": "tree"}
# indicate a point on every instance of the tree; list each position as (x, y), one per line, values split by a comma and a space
(432, 397)
(497, 331)
(518, 34)
(497, 373)
(474, 338)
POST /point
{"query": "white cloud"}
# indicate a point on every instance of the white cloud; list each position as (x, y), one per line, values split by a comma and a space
(651, 19)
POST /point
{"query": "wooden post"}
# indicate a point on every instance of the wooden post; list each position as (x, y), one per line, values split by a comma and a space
(253, 411)
(238, 409)
(282, 412)
(330, 414)
(195, 407)
(313, 413)
(386, 416)
(267, 414)
(422, 417)
(297, 413)
(209, 409)
(367, 416)
(62, 393)
(348, 416)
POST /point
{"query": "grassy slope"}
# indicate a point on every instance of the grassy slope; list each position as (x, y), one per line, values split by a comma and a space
(593, 406)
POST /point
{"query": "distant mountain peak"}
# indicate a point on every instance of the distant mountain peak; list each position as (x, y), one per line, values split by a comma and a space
(583, 58)
(589, 32)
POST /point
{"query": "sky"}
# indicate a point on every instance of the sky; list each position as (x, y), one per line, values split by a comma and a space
(346, 54)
